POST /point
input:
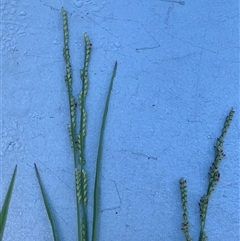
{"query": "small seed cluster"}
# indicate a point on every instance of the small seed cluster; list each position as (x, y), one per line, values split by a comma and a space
(81, 185)
(214, 176)
(84, 232)
(203, 204)
(81, 99)
(185, 224)
(84, 71)
(68, 78)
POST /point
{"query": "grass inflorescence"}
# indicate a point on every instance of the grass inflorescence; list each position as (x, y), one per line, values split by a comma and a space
(77, 135)
(213, 177)
(185, 224)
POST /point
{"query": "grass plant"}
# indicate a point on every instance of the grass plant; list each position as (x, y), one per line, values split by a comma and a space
(6, 203)
(77, 133)
(77, 137)
(213, 178)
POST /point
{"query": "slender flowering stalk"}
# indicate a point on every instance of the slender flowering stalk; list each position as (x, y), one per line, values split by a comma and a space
(213, 175)
(185, 224)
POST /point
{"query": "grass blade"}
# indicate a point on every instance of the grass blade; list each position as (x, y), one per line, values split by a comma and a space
(4, 211)
(46, 203)
(99, 157)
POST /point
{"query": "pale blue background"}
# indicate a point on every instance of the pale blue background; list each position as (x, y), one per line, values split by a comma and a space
(177, 78)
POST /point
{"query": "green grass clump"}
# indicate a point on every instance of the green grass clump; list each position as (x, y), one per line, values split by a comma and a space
(77, 137)
(213, 177)
(77, 133)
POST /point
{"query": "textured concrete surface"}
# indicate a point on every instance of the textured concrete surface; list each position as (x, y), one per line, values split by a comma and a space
(177, 78)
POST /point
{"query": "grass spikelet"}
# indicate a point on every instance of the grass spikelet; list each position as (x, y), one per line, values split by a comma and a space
(84, 186)
(78, 184)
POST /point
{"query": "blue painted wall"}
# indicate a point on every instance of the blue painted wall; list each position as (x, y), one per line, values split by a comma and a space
(177, 79)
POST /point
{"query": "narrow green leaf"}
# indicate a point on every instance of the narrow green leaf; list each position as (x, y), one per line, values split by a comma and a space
(4, 211)
(99, 157)
(46, 203)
